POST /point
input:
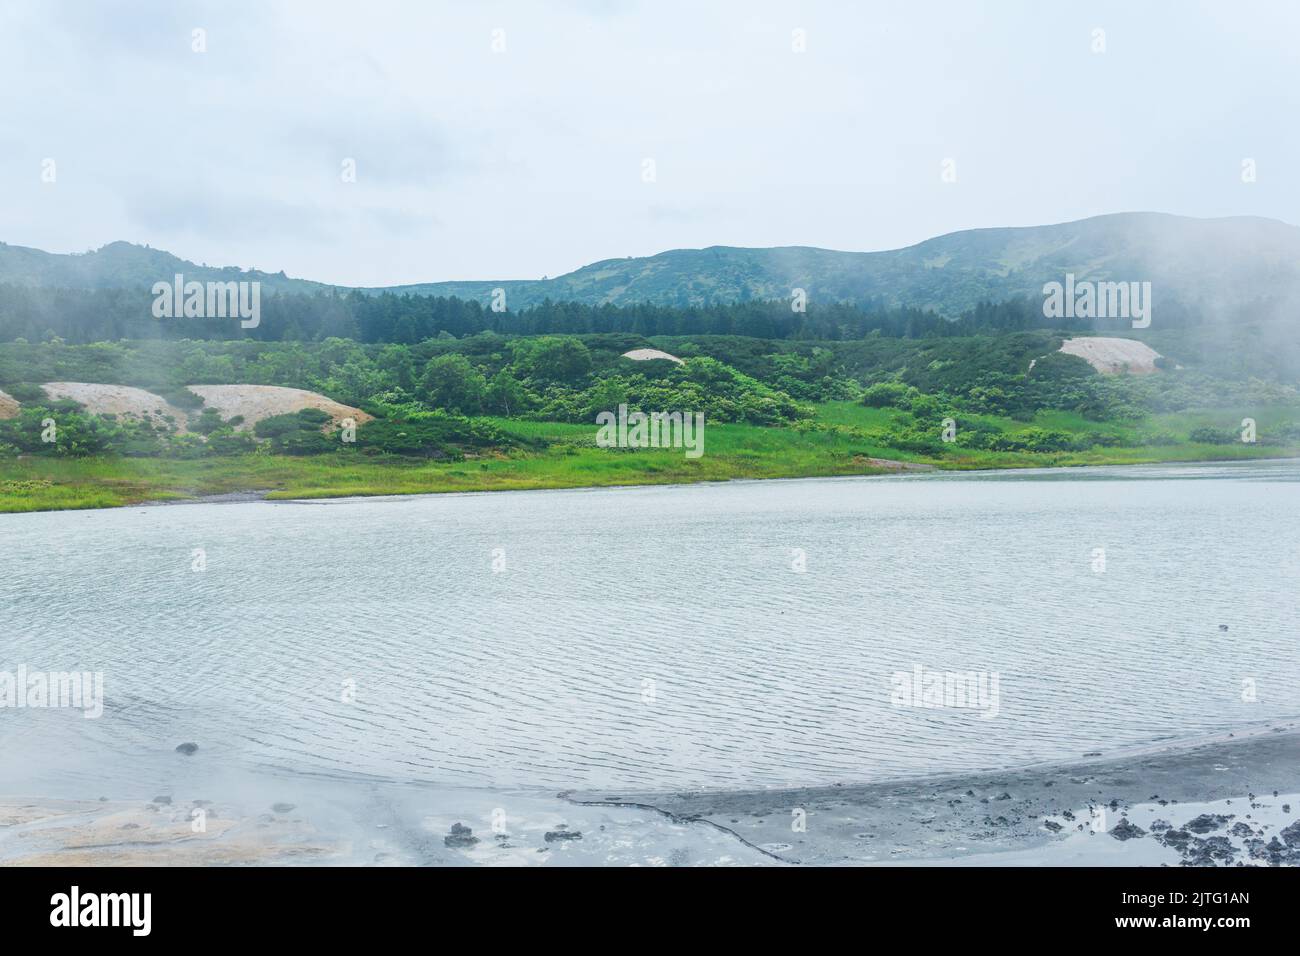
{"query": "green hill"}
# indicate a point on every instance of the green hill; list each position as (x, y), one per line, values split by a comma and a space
(124, 265)
(1193, 264)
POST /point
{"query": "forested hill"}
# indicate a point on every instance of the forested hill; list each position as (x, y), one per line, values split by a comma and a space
(1193, 264)
(124, 265)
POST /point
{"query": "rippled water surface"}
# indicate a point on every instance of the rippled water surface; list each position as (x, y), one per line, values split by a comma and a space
(660, 637)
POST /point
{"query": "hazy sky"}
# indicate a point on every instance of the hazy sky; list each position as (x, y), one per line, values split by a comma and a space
(476, 164)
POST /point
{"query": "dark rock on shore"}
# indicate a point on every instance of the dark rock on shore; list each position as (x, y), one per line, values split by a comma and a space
(1274, 853)
(1207, 822)
(460, 837)
(1209, 851)
(562, 832)
(1175, 838)
(1291, 835)
(1127, 830)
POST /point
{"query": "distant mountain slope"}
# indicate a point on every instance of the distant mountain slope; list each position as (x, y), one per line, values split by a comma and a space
(1191, 262)
(124, 265)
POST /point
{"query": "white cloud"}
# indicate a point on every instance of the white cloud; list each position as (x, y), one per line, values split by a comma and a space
(480, 165)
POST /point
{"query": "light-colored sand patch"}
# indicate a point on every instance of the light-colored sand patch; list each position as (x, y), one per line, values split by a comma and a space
(892, 464)
(1113, 356)
(120, 400)
(646, 355)
(191, 853)
(14, 814)
(84, 833)
(131, 825)
(255, 402)
(8, 405)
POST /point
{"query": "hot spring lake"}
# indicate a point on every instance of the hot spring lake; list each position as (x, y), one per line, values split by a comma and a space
(657, 637)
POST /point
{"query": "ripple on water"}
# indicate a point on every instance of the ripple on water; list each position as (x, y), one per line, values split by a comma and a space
(663, 637)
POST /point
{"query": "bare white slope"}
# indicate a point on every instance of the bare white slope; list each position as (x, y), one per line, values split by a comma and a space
(8, 405)
(120, 400)
(646, 355)
(255, 402)
(1113, 356)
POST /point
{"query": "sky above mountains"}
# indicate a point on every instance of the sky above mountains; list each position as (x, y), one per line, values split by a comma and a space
(511, 140)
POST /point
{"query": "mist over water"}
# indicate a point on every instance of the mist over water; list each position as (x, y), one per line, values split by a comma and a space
(656, 638)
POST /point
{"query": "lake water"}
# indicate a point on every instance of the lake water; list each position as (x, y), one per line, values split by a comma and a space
(726, 635)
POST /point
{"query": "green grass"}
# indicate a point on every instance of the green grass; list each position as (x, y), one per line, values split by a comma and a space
(730, 451)
(857, 415)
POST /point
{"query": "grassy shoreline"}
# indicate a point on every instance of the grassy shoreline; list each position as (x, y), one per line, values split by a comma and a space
(837, 446)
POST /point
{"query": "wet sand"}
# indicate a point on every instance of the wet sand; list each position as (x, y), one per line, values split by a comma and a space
(355, 823)
(1233, 800)
(157, 833)
(1037, 815)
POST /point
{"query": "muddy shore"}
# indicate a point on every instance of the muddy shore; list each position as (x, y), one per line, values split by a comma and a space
(1082, 812)
(1230, 801)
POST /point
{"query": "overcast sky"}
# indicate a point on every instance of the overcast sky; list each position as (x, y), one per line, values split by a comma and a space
(476, 164)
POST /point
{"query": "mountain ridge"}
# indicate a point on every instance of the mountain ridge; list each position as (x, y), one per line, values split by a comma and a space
(1191, 261)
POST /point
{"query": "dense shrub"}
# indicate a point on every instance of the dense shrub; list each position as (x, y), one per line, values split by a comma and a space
(1213, 436)
(27, 392)
(887, 395)
(434, 434)
(297, 433)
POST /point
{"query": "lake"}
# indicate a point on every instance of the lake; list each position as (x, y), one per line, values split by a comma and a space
(703, 636)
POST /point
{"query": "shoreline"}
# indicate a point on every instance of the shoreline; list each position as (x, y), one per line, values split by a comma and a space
(1132, 808)
(1226, 799)
(880, 468)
